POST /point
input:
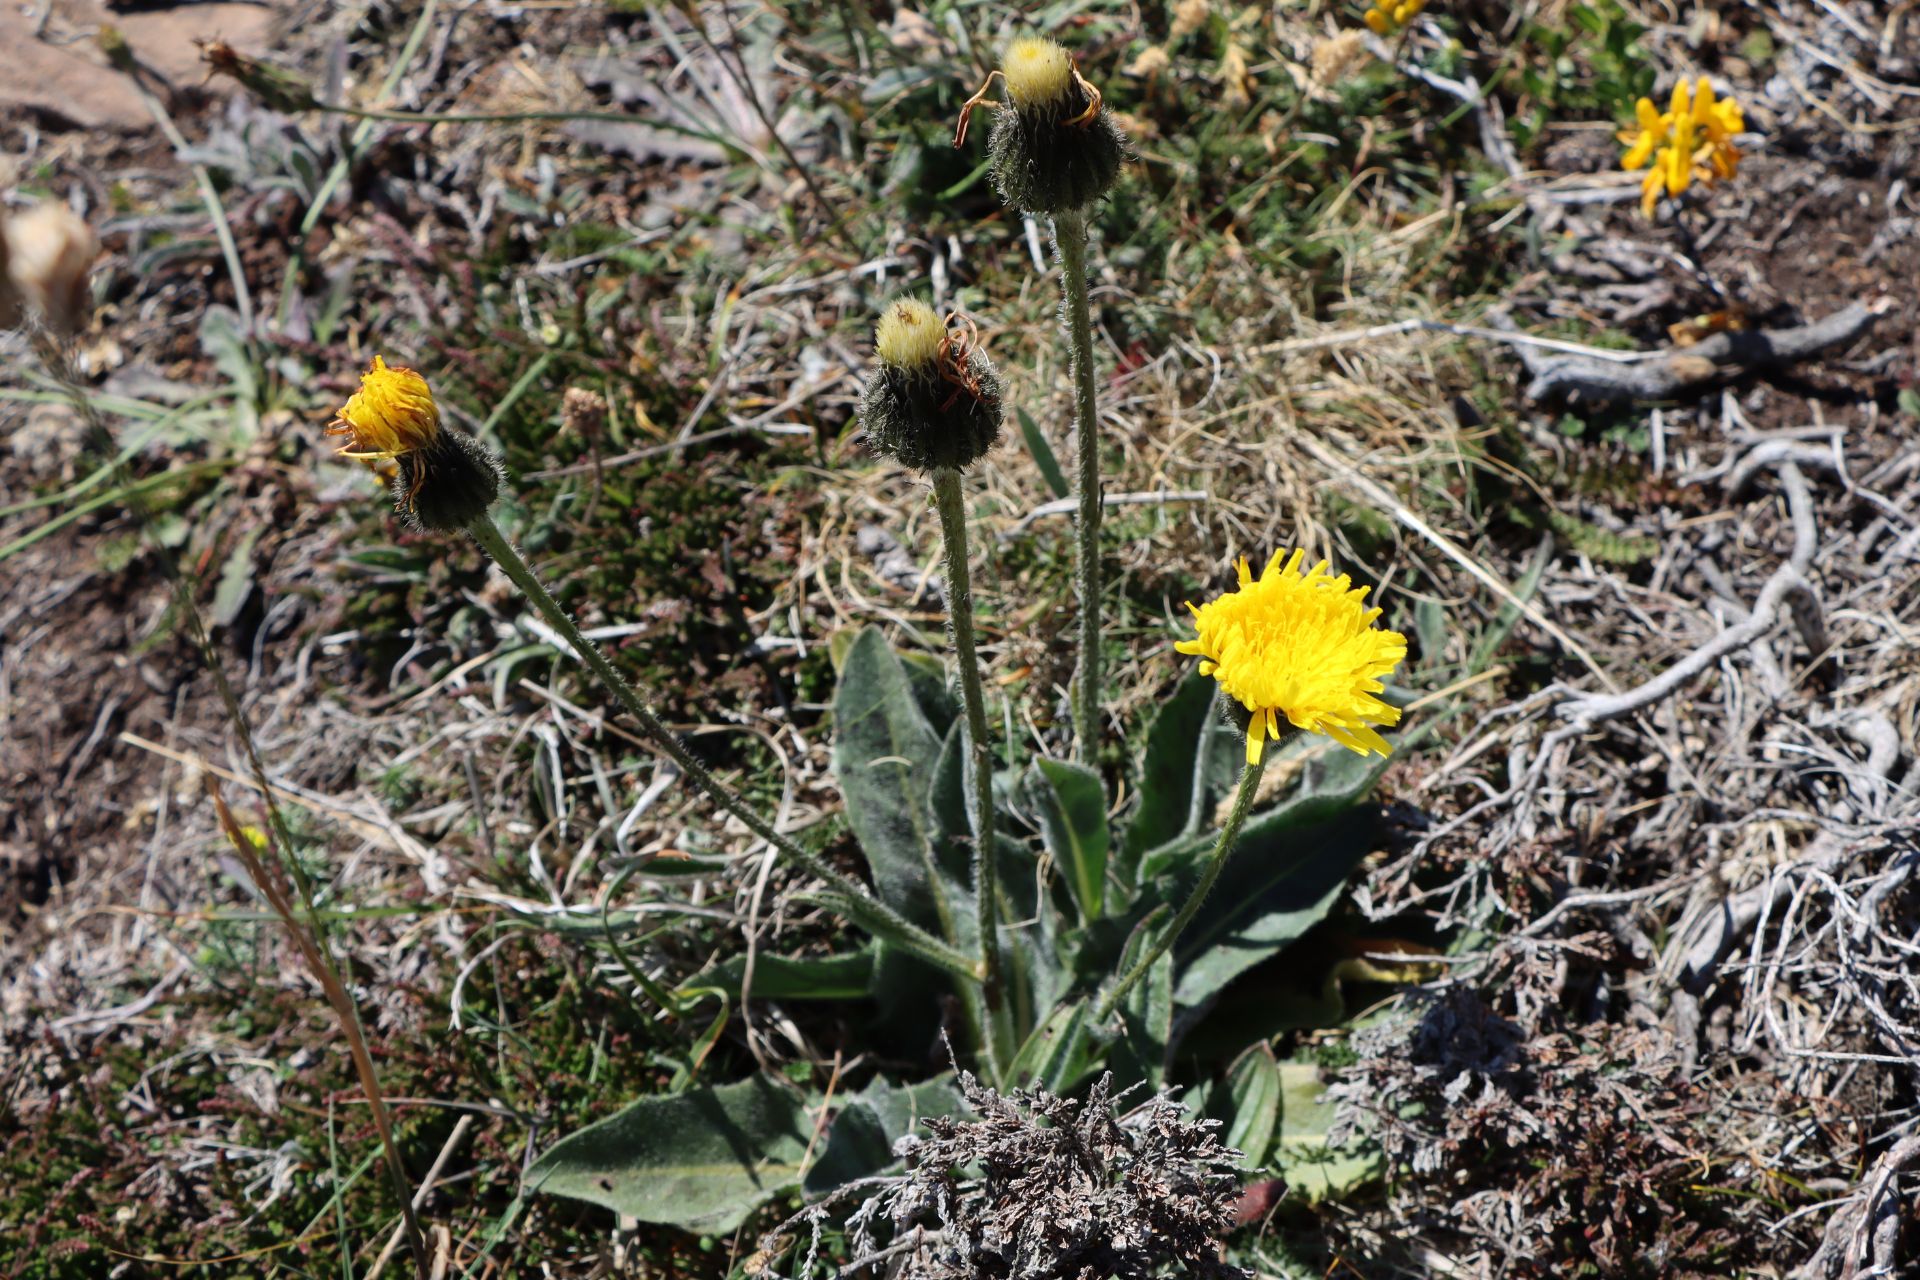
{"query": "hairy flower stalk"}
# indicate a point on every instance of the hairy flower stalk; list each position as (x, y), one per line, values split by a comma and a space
(934, 404)
(1302, 646)
(1055, 150)
(445, 481)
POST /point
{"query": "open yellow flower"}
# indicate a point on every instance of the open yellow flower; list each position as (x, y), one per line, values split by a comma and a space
(390, 416)
(441, 479)
(1693, 138)
(1388, 16)
(1303, 646)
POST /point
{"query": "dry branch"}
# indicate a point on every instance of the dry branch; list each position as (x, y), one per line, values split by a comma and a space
(1685, 370)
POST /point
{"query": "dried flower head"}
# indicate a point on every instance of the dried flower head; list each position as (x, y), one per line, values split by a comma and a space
(46, 254)
(280, 89)
(1693, 138)
(1388, 16)
(935, 400)
(1301, 646)
(1054, 148)
(441, 478)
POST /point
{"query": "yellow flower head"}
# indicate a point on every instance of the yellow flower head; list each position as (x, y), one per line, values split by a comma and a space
(1388, 16)
(1039, 72)
(389, 417)
(1693, 138)
(1303, 646)
(909, 335)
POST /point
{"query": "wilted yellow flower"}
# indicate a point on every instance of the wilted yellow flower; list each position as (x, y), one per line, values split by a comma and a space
(441, 480)
(1692, 139)
(1301, 646)
(1388, 16)
(390, 416)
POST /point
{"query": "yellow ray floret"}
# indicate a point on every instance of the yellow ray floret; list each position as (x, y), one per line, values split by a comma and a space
(390, 416)
(1692, 139)
(1388, 16)
(1303, 646)
(1038, 71)
(909, 335)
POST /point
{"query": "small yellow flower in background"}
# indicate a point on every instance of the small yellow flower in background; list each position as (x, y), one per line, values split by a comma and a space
(390, 416)
(1303, 646)
(1388, 16)
(1693, 138)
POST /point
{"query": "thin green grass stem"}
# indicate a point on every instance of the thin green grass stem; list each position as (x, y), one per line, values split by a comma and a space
(1070, 240)
(1222, 848)
(857, 901)
(998, 1032)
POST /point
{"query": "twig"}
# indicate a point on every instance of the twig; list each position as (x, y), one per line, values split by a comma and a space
(1788, 580)
(454, 1139)
(1717, 359)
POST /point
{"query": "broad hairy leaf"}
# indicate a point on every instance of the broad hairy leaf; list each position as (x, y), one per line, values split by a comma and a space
(861, 1137)
(1058, 1053)
(1072, 806)
(1254, 1092)
(1165, 783)
(884, 753)
(1282, 878)
(702, 1160)
(1300, 1152)
(776, 977)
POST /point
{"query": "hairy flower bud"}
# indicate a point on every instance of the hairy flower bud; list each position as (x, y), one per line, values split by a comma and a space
(441, 478)
(1054, 148)
(935, 400)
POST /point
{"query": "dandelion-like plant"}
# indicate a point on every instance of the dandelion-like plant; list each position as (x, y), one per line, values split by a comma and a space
(1693, 139)
(1302, 646)
(934, 404)
(1292, 645)
(1055, 151)
(443, 480)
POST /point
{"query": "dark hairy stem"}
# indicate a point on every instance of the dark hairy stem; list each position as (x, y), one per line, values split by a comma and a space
(953, 528)
(1070, 239)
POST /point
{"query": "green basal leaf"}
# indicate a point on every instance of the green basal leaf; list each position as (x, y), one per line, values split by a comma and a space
(1059, 1053)
(702, 1160)
(1146, 1018)
(1253, 1092)
(1164, 787)
(1300, 1152)
(1072, 807)
(884, 754)
(777, 977)
(860, 1143)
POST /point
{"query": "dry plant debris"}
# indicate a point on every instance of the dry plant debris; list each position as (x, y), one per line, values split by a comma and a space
(1039, 1187)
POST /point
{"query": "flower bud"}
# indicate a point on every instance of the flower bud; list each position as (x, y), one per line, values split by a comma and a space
(935, 400)
(1054, 148)
(46, 254)
(448, 485)
(279, 89)
(441, 478)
